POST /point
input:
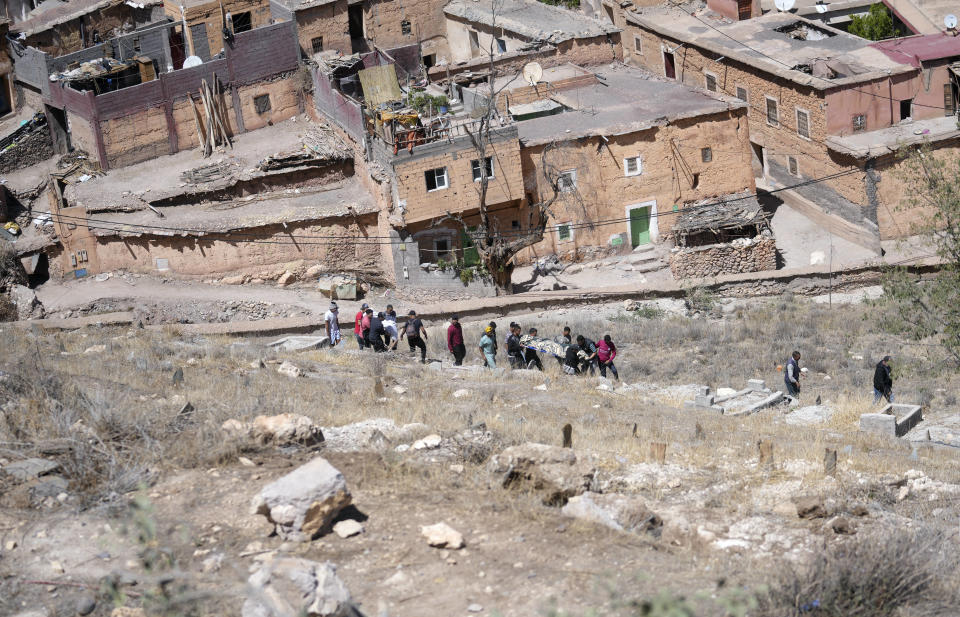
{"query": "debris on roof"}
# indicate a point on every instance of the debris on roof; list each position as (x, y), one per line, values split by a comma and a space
(720, 218)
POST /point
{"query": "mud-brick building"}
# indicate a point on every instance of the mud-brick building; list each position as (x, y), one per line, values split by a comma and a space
(321, 25)
(206, 21)
(807, 86)
(632, 151)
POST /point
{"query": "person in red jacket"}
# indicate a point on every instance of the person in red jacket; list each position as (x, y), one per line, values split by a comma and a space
(358, 326)
(455, 341)
(606, 352)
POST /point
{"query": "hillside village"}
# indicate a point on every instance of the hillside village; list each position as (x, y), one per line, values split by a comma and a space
(219, 220)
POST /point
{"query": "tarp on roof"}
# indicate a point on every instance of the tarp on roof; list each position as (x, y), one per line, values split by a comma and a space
(380, 85)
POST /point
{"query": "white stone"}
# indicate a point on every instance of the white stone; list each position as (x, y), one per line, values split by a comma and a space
(429, 442)
(289, 369)
(462, 392)
(292, 586)
(304, 501)
(542, 387)
(725, 392)
(903, 493)
(246, 462)
(442, 535)
(402, 448)
(474, 608)
(817, 258)
(399, 390)
(347, 528)
(94, 349)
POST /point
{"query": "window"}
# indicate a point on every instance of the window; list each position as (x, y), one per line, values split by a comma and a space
(695, 181)
(436, 178)
(262, 103)
(474, 42)
(405, 28)
(792, 166)
(632, 166)
(564, 232)
(317, 44)
(742, 94)
(514, 224)
(429, 60)
(567, 180)
(638, 44)
(136, 45)
(803, 124)
(906, 109)
(711, 81)
(859, 123)
(501, 46)
(242, 22)
(706, 154)
(441, 246)
(773, 116)
(475, 166)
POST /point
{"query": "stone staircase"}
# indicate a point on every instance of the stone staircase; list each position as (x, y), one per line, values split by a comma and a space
(644, 258)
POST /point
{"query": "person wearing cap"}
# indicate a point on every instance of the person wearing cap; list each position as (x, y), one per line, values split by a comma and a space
(416, 335)
(883, 381)
(455, 341)
(331, 321)
(358, 326)
(488, 346)
(496, 347)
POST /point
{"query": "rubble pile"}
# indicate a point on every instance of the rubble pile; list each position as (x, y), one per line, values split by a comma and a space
(741, 255)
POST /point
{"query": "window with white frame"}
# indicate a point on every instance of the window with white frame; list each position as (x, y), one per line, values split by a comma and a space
(475, 166)
(803, 123)
(632, 166)
(567, 180)
(711, 81)
(773, 113)
(565, 232)
(436, 178)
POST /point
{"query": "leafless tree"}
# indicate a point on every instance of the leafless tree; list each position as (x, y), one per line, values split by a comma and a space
(497, 248)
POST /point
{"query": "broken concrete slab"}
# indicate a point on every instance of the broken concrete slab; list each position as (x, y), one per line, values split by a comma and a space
(300, 343)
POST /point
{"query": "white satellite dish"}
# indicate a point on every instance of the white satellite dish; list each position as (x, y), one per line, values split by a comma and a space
(784, 5)
(193, 61)
(532, 72)
(950, 21)
(821, 7)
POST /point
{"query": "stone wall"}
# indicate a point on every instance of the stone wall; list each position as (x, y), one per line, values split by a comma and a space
(742, 255)
(33, 146)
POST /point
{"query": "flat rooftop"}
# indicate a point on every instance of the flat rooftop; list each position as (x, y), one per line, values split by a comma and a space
(531, 19)
(921, 48)
(55, 12)
(891, 139)
(551, 74)
(344, 198)
(786, 45)
(624, 100)
(131, 188)
(300, 5)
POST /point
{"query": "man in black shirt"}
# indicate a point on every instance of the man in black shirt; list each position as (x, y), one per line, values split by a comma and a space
(514, 349)
(416, 335)
(882, 381)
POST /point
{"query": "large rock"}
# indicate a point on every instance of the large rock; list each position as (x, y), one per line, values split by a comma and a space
(553, 472)
(305, 501)
(30, 468)
(290, 586)
(286, 428)
(28, 306)
(620, 512)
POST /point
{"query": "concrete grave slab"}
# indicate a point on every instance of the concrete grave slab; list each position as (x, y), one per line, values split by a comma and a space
(300, 343)
(894, 420)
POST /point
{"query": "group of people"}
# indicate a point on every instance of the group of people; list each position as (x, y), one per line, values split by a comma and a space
(522, 350)
(882, 378)
(379, 331)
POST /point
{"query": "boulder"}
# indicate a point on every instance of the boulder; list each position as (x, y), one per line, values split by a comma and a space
(430, 442)
(810, 507)
(286, 278)
(28, 306)
(289, 369)
(348, 528)
(620, 512)
(238, 279)
(235, 428)
(442, 535)
(288, 586)
(553, 472)
(285, 428)
(304, 502)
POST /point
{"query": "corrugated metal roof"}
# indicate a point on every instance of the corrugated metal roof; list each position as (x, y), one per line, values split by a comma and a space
(916, 49)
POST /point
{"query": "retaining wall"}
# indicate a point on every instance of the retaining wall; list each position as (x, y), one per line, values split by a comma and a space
(752, 255)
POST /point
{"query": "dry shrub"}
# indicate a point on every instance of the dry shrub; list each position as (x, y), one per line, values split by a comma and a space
(898, 573)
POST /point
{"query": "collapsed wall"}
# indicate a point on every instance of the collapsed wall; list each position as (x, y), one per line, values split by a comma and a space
(741, 255)
(26, 146)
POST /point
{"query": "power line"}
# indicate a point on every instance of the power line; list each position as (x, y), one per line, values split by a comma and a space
(324, 240)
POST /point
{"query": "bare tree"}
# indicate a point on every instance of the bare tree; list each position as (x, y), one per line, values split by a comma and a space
(497, 248)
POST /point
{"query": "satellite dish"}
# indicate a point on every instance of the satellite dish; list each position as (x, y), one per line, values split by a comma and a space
(193, 61)
(821, 7)
(532, 72)
(950, 21)
(784, 5)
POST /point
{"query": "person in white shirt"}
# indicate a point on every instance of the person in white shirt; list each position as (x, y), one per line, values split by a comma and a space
(332, 323)
(390, 325)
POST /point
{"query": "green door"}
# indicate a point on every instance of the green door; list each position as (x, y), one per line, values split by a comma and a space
(639, 226)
